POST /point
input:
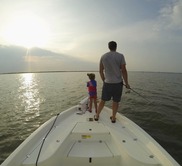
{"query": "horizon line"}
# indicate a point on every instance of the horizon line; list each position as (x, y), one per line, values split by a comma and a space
(57, 71)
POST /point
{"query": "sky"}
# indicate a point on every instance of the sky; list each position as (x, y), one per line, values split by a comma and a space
(54, 35)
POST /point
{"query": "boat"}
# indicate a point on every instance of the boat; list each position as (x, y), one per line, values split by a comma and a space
(74, 138)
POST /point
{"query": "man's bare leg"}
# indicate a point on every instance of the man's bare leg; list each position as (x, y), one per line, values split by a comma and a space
(115, 106)
(100, 107)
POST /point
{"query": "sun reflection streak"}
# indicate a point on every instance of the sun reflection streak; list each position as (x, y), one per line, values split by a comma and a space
(29, 95)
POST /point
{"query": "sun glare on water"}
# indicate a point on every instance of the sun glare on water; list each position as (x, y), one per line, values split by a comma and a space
(26, 30)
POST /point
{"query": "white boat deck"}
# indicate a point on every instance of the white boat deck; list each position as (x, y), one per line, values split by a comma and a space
(86, 141)
(78, 140)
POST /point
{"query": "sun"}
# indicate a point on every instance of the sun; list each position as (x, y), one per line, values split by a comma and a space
(26, 29)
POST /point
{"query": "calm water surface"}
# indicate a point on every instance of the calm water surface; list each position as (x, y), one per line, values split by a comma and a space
(28, 100)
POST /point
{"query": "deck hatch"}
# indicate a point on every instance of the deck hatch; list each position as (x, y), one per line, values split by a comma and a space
(89, 127)
(90, 149)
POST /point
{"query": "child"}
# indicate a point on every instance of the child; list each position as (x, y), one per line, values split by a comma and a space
(92, 89)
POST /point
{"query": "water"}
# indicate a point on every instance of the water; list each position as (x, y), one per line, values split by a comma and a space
(28, 100)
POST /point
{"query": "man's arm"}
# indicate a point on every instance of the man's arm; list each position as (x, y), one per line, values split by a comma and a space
(125, 75)
(101, 71)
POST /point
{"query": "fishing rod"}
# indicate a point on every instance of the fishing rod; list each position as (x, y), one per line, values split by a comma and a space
(137, 93)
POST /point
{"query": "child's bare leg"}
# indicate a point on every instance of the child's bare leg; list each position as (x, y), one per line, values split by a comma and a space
(90, 105)
(95, 104)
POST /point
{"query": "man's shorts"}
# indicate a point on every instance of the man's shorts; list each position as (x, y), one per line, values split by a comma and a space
(112, 91)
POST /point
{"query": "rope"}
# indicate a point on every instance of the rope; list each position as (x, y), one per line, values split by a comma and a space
(45, 139)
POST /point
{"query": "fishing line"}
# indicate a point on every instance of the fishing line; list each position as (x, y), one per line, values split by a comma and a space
(137, 93)
(45, 139)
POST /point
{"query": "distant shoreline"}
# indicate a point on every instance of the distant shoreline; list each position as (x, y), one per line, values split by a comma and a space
(61, 71)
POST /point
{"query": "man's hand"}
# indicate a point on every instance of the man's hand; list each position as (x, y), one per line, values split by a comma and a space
(127, 86)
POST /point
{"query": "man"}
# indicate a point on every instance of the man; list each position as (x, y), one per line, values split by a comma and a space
(112, 71)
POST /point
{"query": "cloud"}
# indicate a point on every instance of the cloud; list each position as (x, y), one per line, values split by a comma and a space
(170, 16)
(18, 59)
(11, 58)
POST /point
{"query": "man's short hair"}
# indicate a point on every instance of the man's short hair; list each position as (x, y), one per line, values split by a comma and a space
(112, 45)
